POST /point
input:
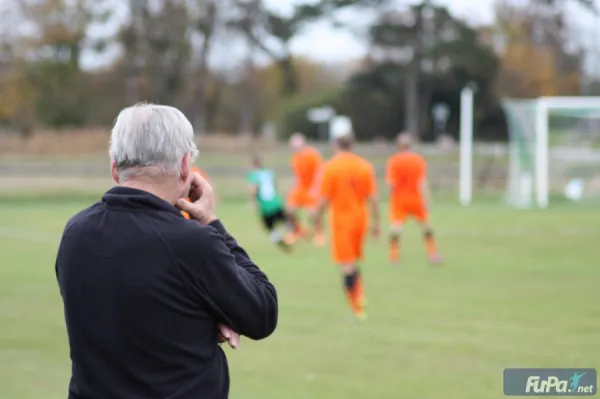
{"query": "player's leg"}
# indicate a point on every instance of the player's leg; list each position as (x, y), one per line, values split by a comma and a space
(293, 222)
(428, 236)
(397, 217)
(294, 203)
(394, 241)
(276, 235)
(279, 236)
(359, 288)
(286, 222)
(352, 287)
(346, 254)
(319, 235)
(342, 252)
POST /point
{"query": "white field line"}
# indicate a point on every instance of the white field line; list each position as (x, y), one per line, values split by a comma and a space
(50, 238)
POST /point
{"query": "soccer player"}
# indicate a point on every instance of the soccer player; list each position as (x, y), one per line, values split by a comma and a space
(195, 169)
(347, 187)
(269, 203)
(306, 164)
(409, 197)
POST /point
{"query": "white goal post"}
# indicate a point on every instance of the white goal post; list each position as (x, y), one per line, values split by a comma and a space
(529, 144)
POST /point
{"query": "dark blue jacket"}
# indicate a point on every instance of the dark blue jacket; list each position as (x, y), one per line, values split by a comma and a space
(143, 291)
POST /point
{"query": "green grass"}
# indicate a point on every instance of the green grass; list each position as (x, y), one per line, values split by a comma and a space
(520, 289)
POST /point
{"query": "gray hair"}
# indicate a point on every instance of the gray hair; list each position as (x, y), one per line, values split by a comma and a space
(150, 135)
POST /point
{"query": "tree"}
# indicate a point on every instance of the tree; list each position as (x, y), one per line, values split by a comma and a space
(272, 32)
(589, 5)
(261, 26)
(17, 96)
(16, 91)
(539, 55)
(205, 16)
(51, 55)
(451, 56)
(420, 49)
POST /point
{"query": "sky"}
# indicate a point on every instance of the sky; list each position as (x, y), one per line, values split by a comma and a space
(322, 42)
(326, 44)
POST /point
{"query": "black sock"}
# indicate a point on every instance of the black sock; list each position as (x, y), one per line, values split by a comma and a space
(350, 280)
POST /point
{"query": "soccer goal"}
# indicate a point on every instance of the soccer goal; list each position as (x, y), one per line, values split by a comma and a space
(554, 150)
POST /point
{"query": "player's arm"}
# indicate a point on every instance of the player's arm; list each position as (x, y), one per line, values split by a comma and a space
(318, 176)
(424, 186)
(425, 192)
(317, 180)
(252, 189)
(320, 210)
(295, 174)
(374, 205)
(373, 202)
(389, 177)
(325, 193)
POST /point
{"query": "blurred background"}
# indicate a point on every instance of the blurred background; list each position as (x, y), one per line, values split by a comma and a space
(521, 287)
(247, 73)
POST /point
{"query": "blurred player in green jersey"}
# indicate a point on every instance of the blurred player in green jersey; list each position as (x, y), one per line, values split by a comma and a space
(269, 204)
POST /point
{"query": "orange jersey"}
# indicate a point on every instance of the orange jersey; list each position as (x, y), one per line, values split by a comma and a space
(348, 181)
(306, 164)
(405, 173)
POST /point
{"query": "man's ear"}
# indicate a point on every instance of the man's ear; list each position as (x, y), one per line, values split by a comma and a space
(186, 167)
(114, 172)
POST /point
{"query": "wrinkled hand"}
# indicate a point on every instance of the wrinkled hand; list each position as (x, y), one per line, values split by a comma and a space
(226, 334)
(201, 206)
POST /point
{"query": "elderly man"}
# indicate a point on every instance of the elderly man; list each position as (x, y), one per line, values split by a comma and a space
(148, 294)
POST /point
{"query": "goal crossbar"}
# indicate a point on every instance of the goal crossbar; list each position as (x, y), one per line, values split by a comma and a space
(542, 107)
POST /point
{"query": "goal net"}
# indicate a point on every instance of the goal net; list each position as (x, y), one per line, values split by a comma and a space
(554, 150)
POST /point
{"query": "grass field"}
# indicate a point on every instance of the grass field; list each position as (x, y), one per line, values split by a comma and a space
(519, 289)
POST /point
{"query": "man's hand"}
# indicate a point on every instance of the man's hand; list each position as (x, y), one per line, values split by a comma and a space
(201, 206)
(226, 334)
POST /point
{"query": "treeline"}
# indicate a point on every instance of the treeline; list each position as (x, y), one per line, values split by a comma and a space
(228, 64)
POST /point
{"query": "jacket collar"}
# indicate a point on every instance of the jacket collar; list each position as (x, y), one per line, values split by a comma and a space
(127, 198)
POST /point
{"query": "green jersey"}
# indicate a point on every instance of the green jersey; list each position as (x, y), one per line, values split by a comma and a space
(269, 201)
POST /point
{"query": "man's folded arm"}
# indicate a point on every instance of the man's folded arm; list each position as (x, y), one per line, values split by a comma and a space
(233, 286)
(241, 256)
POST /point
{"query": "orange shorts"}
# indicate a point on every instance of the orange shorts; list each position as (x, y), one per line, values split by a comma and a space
(347, 243)
(399, 211)
(302, 198)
